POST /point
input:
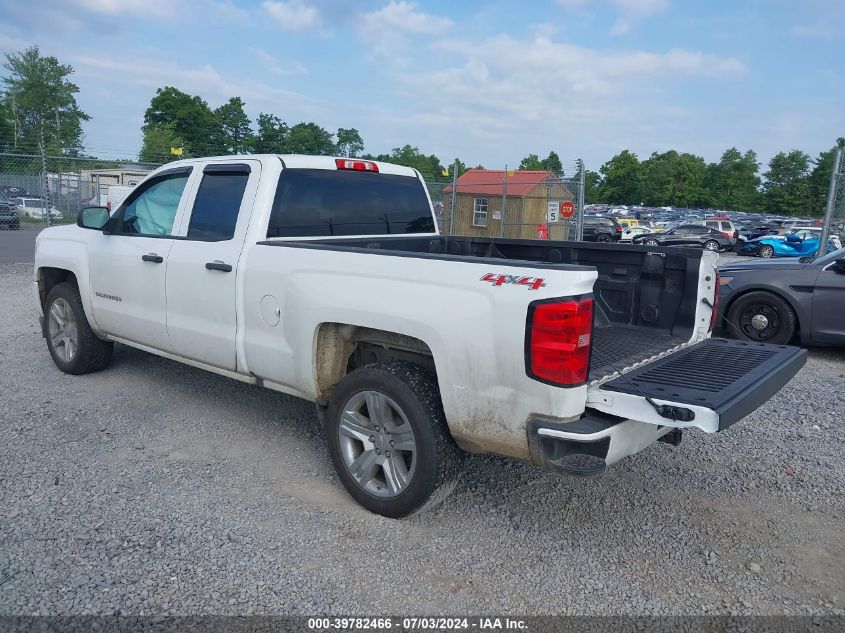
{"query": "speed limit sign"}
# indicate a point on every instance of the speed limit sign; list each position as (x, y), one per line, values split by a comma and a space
(553, 212)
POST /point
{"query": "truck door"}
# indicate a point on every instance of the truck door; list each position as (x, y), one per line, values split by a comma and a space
(128, 264)
(828, 299)
(202, 270)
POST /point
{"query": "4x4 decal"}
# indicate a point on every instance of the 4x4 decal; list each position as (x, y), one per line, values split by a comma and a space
(533, 283)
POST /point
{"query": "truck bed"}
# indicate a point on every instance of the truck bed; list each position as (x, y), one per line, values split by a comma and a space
(645, 300)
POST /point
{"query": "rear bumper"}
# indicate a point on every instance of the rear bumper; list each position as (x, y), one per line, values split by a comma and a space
(588, 445)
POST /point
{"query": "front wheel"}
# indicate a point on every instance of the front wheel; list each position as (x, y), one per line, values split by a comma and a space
(766, 251)
(388, 439)
(74, 347)
(762, 316)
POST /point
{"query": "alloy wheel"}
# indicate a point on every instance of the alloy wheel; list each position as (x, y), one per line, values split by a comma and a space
(63, 330)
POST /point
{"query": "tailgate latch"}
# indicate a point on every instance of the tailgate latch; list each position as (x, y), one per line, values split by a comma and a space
(676, 414)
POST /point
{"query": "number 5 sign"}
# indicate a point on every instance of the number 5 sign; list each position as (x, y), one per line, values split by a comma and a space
(553, 212)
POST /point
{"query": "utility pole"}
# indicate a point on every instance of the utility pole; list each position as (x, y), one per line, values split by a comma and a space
(579, 217)
(835, 177)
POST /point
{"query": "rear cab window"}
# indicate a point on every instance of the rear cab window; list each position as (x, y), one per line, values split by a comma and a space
(325, 202)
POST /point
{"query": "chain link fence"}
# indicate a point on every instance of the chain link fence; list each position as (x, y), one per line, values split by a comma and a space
(56, 194)
(834, 223)
(514, 204)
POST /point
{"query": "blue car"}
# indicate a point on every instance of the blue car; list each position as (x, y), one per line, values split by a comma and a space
(800, 243)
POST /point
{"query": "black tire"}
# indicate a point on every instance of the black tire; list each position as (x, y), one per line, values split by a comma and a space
(603, 237)
(92, 354)
(766, 251)
(711, 245)
(438, 460)
(650, 242)
(781, 319)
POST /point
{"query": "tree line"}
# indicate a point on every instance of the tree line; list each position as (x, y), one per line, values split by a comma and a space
(39, 113)
(794, 183)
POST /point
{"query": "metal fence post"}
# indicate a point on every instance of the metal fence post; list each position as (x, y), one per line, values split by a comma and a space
(454, 197)
(831, 202)
(504, 204)
(579, 218)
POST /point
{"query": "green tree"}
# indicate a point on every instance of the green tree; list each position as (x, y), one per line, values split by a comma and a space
(310, 138)
(272, 135)
(235, 128)
(460, 166)
(531, 162)
(410, 156)
(733, 183)
(158, 140)
(819, 179)
(349, 142)
(673, 179)
(787, 188)
(41, 103)
(592, 186)
(191, 118)
(552, 163)
(621, 179)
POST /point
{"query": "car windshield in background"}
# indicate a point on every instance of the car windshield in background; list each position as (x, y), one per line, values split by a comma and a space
(319, 202)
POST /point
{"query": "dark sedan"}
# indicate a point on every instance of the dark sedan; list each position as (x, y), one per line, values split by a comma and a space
(688, 235)
(775, 300)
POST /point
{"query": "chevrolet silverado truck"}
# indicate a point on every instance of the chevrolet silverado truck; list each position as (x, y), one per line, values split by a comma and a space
(327, 278)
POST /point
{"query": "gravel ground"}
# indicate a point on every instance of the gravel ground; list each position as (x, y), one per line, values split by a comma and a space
(157, 488)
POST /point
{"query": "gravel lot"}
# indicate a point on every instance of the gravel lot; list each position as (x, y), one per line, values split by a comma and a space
(154, 487)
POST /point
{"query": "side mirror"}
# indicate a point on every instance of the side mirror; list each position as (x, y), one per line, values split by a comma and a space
(839, 266)
(93, 218)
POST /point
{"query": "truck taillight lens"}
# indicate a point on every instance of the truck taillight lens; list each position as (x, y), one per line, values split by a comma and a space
(559, 336)
(356, 165)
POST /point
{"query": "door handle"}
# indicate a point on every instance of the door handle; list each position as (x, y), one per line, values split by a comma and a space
(152, 257)
(225, 268)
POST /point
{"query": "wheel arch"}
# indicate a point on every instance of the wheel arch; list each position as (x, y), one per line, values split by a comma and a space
(49, 276)
(341, 347)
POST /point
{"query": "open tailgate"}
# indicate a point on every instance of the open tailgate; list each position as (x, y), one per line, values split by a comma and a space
(709, 385)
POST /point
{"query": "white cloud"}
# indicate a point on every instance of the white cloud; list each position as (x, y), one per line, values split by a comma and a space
(630, 11)
(276, 66)
(126, 7)
(386, 29)
(293, 15)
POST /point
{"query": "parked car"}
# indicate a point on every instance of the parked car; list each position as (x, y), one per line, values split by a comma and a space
(34, 208)
(12, 191)
(774, 300)
(325, 278)
(601, 229)
(688, 235)
(722, 224)
(8, 214)
(631, 232)
(798, 243)
(752, 231)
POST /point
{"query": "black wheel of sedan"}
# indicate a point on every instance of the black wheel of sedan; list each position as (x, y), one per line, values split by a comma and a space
(651, 242)
(766, 251)
(711, 245)
(389, 441)
(762, 316)
(604, 237)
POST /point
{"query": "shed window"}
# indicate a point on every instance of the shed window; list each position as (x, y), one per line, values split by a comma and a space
(479, 212)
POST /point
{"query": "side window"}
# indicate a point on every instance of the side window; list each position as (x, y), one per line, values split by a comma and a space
(479, 214)
(152, 210)
(218, 201)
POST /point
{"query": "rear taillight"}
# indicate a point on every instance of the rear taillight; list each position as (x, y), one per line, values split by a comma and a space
(108, 206)
(715, 314)
(356, 165)
(559, 335)
(618, 228)
(726, 235)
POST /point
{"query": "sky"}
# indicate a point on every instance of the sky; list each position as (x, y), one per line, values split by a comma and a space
(488, 82)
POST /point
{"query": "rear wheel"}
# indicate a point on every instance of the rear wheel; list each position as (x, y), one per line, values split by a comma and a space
(711, 245)
(764, 317)
(71, 341)
(604, 237)
(766, 251)
(651, 242)
(388, 439)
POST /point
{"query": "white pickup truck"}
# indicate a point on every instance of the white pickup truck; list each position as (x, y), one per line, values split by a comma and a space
(327, 279)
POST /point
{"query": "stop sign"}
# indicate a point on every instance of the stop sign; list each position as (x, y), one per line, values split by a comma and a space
(567, 208)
